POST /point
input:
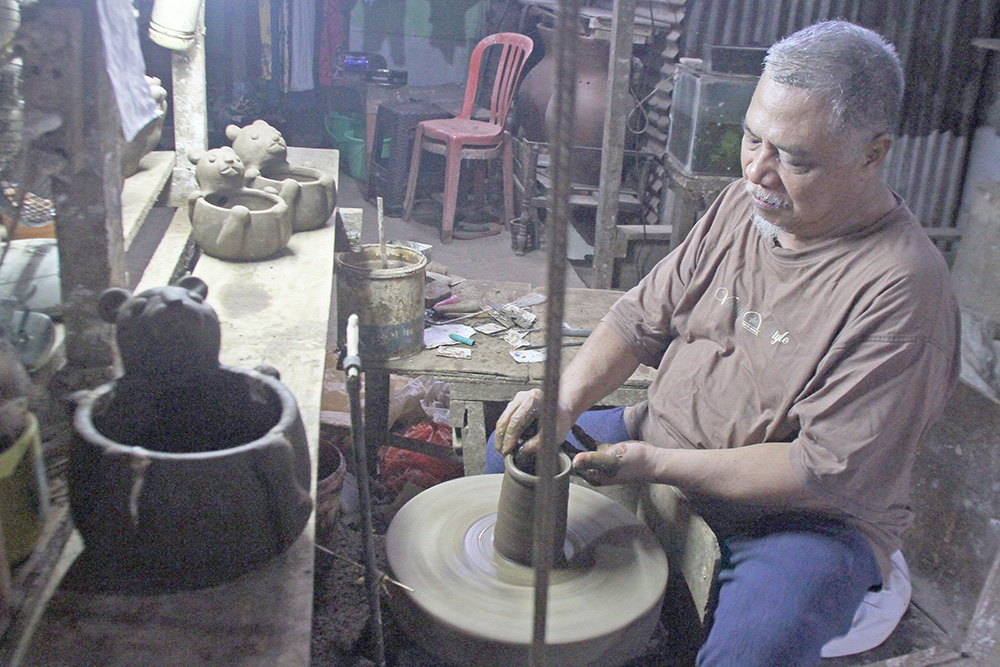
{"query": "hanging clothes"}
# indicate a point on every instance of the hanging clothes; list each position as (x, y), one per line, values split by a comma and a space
(331, 41)
(302, 47)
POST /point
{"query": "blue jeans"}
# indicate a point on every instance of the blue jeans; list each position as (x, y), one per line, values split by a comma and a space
(787, 584)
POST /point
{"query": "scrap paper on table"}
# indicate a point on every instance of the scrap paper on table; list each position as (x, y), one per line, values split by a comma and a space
(439, 335)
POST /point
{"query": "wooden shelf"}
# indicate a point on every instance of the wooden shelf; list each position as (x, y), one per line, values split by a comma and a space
(141, 190)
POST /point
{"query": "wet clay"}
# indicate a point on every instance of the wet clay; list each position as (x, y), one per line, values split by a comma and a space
(513, 534)
(472, 606)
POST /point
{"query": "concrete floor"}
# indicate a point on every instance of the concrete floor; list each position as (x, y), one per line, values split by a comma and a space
(487, 258)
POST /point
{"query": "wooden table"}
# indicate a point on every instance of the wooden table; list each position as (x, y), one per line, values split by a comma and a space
(491, 374)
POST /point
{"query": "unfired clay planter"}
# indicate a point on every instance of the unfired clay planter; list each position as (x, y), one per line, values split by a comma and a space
(149, 136)
(316, 201)
(230, 221)
(265, 156)
(183, 473)
(252, 225)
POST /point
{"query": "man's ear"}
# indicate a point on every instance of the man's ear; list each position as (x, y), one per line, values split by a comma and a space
(877, 149)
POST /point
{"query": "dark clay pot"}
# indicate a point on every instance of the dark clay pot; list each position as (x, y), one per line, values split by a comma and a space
(185, 489)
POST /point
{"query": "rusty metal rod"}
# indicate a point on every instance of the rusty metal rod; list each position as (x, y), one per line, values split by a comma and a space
(352, 366)
(568, 18)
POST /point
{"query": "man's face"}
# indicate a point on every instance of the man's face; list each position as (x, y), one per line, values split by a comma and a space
(804, 176)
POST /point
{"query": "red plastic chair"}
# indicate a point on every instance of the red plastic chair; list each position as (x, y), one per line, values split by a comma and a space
(462, 138)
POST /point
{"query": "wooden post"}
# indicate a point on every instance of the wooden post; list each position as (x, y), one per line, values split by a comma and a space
(613, 143)
(190, 106)
(68, 83)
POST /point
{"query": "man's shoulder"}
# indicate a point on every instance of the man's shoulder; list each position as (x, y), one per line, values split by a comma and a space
(904, 248)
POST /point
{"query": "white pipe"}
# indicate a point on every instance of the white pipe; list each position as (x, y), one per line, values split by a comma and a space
(174, 22)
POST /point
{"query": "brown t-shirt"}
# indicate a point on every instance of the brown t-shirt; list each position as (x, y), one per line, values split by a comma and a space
(848, 350)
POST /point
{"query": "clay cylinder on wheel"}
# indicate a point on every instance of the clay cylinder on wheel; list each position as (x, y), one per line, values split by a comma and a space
(513, 536)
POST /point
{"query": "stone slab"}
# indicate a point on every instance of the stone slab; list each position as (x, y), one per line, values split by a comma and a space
(141, 190)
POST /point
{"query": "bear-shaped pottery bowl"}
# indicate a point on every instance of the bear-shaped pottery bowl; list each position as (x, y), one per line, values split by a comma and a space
(249, 224)
(317, 198)
(233, 222)
(182, 475)
(264, 154)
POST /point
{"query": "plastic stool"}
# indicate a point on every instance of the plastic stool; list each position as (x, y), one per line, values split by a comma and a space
(387, 175)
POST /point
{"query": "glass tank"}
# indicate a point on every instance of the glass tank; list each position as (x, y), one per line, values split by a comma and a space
(706, 120)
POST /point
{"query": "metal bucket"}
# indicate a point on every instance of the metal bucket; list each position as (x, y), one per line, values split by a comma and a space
(389, 302)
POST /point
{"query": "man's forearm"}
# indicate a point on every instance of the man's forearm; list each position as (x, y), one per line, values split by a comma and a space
(602, 365)
(758, 474)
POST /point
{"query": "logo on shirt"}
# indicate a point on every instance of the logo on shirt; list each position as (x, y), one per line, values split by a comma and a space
(751, 320)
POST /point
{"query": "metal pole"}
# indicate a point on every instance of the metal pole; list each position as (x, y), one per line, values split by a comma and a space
(568, 20)
(352, 365)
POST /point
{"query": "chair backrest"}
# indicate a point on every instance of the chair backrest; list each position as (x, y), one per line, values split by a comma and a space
(514, 51)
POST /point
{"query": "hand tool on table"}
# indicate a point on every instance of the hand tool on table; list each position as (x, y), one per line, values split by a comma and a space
(576, 333)
(461, 339)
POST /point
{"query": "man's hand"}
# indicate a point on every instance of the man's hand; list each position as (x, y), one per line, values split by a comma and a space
(616, 463)
(525, 410)
(603, 363)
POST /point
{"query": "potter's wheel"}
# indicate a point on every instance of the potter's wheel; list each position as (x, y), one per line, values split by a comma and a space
(471, 606)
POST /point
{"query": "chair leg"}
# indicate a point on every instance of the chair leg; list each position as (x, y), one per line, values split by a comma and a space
(508, 181)
(452, 170)
(411, 180)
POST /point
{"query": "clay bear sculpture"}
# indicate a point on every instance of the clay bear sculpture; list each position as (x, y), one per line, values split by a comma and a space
(166, 334)
(149, 136)
(231, 221)
(261, 147)
(265, 156)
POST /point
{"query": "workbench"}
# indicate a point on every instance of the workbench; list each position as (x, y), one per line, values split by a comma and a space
(491, 374)
(272, 312)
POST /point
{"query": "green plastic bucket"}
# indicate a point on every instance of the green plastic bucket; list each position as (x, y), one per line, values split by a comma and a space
(339, 126)
(354, 150)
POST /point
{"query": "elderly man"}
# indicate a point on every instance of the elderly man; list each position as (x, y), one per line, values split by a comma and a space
(805, 338)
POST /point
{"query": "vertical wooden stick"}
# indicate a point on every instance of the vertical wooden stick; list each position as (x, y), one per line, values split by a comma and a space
(381, 234)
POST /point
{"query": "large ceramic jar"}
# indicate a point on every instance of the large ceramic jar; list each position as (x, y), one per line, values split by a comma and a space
(537, 100)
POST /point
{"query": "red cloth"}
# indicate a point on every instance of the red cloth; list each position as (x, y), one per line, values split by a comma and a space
(400, 466)
(331, 41)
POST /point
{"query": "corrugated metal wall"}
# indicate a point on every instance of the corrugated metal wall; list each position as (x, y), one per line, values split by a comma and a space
(943, 77)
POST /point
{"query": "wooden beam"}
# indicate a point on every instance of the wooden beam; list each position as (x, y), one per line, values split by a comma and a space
(87, 192)
(613, 143)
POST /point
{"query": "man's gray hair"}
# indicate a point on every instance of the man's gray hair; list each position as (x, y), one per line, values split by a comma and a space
(855, 69)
